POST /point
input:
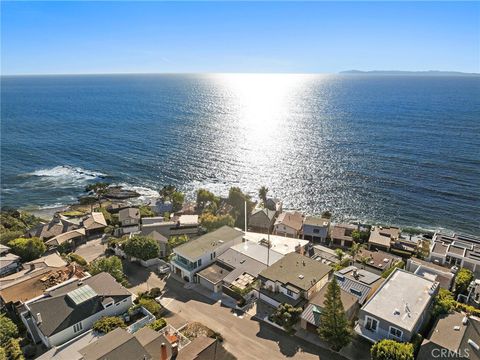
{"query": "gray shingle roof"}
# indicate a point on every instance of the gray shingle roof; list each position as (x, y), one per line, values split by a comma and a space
(59, 312)
(297, 270)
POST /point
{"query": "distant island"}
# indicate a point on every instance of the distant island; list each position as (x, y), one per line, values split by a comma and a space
(399, 72)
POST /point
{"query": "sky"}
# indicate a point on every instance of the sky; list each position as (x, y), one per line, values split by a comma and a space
(275, 37)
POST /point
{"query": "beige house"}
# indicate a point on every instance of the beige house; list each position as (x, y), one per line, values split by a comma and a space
(288, 224)
(382, 238)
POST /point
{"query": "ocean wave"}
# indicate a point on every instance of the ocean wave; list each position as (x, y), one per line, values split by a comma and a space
(67, 171)
(144, 192)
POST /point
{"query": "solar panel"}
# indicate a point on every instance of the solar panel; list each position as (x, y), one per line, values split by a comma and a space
(82, 294)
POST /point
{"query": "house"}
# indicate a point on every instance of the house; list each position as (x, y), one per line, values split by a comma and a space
(238, 267)
(288, 224)
(51, 229)
(358, 282)
(159, 238)
(32, 284)
(9, 263)
(310, 317)
(274, 204)
(324, 254)
(376, 261)
(195, 255)
(72, 308)
(94, 224)
(204, 348)
(129, 219)
(294, 279)
(473, 297)
(342, 235)
(178, 225)
(443, 275)
(261, 220)
(454, 336)
(398, 309)
(315, 229)
(73, 237)
(382, 238)
(457, 250)
(119, 344)
(52, 261)
(283, 245)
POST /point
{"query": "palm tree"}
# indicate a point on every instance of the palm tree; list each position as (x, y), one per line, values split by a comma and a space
(262, 194)
(339, 253)
(355, 249)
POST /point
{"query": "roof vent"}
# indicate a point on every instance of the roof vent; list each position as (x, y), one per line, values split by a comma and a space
(456, 328)
(396, 312)
(465, 320)
(39, 318)
(473, 344)
(386, 260)
(301, 276)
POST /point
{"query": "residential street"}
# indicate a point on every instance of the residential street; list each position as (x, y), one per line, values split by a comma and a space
(245, 338)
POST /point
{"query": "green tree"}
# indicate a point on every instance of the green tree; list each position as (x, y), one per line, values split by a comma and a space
(340, 254)
(142, 247)
(462, 281)
(13, 350)
(237, 199)
(108, 323)
(77, 258)
(212, 222)
(28, 249)
(398, 265)
(355, 249)
(262, 194)
(158, 324)
(204, 197)
(8, 329)
(99, 190)
(177, 198)
(334, 326)
(166, 192)
(391, 350)
(287, 316)
(145, 211)
(151, 305)
(175, 241)
(443, 303)
(3, 353)
(112, 265)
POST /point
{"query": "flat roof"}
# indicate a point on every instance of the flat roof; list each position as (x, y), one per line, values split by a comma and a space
(257, 252)
(214, 273)
(297, 270)
(401, 299)
(208, 242)
(281, 244)
(316, 221)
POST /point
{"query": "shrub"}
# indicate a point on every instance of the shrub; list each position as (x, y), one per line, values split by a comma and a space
(3, 354)
(212, 222)
(28, 249)
(286, 315)
(391, 350)
(443, 303)
(151, 305)
(399, 265)
(142, 247)
(13, 350)
(77, 258)
(112, 265)
(109, 323)
(145, 211)
(462, 280)
(8, 329)
(158, 324)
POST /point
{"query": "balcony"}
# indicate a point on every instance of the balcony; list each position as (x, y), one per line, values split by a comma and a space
(183, 263)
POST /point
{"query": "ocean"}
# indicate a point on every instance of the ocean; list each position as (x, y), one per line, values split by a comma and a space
(400, 150)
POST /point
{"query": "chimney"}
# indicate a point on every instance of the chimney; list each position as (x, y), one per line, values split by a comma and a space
(39, 318)
(174, 350)
(163, 353)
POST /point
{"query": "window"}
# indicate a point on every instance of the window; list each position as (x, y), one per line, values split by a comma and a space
(396, 333)
(108, 305)
(289, 292)
(371, 323)
(117, 304)
(77, 327)
(356, 292)
(125, 300)
(316, 231)
(200, 262)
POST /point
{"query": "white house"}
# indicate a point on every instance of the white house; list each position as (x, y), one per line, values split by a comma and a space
(71, 308)
(195, 255)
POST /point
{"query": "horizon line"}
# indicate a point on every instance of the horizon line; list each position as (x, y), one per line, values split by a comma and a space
(343, 72)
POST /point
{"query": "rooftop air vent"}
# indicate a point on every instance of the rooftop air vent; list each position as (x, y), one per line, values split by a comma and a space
(456, 328)
(396, 312)
(301, 276)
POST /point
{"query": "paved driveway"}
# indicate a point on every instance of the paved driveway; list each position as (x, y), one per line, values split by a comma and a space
(92, 250)
(245, 337)
(141, 278)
